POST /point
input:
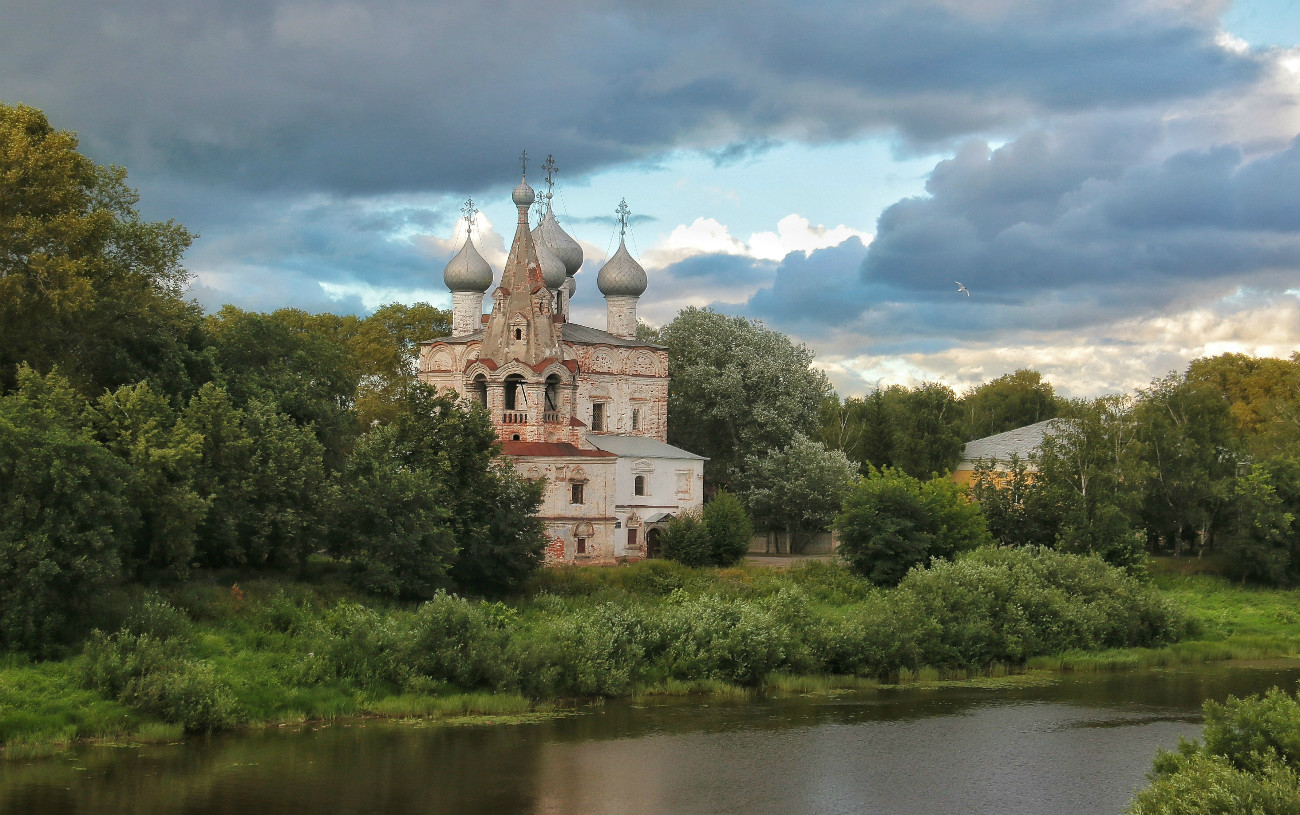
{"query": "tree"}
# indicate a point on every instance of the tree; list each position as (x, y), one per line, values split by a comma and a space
(728, 527)
(797, 490)
(1091, 476)
(1013, 400)
(1263, 395)
(490, 509)
(717, 536)
(927, 430)
(85, 284)
(63, 513)
(1015, 505)
(737, 390)
(891, 522)
(139, 426)
(390, 528)
(1185, 440)
(287, 362)
(1260, 540)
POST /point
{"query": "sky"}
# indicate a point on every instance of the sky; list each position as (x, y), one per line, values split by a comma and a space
(1116, 183)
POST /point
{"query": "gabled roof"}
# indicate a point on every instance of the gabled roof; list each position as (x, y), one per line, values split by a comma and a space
(1021, 442)
(639, 447)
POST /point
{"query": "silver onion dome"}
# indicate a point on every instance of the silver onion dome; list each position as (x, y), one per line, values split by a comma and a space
(621, 275)
(573, 287)
(523, 195)
(553, 274)
(467, 271)
(558, 241)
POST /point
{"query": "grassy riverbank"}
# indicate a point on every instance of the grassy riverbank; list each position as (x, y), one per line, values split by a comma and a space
(206, 656)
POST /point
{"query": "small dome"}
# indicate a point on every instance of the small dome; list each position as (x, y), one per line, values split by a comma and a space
(621, 275)
(559, 242)
(573, 287)
(552, 266)
(523, 195)
(468, 271)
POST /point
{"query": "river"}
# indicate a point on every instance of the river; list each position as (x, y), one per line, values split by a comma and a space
(1071, 744)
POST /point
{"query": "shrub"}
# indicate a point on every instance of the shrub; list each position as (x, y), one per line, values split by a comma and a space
(686, 540)
(461, 642)
(728, 527)
(1247, 763)
(146, 673)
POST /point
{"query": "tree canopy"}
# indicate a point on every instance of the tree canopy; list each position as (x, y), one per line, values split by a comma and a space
(737, 390)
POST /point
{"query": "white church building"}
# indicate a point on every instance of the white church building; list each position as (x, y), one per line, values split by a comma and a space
(582, 408)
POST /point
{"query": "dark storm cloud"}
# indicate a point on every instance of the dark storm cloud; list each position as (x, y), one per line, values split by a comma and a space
(1051, 232)
(390, 96)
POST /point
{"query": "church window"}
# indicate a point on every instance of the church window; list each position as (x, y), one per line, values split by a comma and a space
(553, 392)
(581, 546)
(479, 389)
(519, 333)
(636, 418)
(631, 538)
(598, 416)
(575, 495)
(514, 385)
(638, 485)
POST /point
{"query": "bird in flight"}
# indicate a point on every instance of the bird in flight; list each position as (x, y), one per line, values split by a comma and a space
(962, 288)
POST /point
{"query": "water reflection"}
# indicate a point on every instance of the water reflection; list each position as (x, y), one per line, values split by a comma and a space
(1076, 745)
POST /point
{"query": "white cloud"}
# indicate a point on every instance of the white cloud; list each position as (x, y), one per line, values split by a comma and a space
(706, 236)
(794, 233)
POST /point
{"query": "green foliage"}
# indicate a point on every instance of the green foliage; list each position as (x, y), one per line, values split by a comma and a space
(287, 363)
(85, 284)
(1015, 504)
(1247, 763)
(390, 527)
(138, 425)
(145, 672)
(63, 513)
(738, 390)
(728, 527)
(1259, 539)
(892, 522)
(916, 430)
(686, 540)
(1263, 396)
(1010, 401)
(798, 489)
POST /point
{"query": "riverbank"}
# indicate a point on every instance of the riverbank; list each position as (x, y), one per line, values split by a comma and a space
(209, 656)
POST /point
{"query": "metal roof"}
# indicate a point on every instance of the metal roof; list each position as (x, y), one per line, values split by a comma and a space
(638, 447)
(1021, 442)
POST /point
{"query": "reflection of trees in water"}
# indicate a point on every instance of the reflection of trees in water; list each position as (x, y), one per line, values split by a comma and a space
(646, 748)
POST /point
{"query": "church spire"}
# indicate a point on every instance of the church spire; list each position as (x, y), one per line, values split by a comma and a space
(522, 326)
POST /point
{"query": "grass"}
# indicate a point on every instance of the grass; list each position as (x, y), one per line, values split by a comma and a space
(262, 649)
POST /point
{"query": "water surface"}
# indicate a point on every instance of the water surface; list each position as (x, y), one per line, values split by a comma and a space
(1079, 744)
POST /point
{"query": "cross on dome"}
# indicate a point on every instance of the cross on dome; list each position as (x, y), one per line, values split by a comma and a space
(523, 161)
(470, 212)
(622, 212)
(550, 168)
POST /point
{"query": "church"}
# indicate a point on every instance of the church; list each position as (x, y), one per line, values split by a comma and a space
(582, 408)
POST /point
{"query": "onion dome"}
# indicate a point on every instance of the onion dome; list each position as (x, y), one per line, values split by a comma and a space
(553, 274)
(523, 195)
(468, 271)
(558, 241)
(621, 275)
(573, 287)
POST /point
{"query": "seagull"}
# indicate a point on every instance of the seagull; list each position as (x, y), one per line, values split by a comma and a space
(962, 288)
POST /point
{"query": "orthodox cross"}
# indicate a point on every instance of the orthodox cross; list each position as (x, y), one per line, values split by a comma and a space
(550, 169)
(523, 160)
(469, 211)
(622, 212)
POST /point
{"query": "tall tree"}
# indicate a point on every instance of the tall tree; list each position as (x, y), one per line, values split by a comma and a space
(1013, 400)
(926, 429)
(737, 390)
(85, 283)
(797, 490)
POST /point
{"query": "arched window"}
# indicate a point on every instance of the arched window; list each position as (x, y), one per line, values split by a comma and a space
(519, 333)
(553, 392)
(479, 389)
(638, 485)
(514, 388)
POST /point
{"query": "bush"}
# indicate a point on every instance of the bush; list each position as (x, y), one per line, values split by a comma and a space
(686, 540)
(146, 673)
(1247, 763)
(891, 522)
(728, 528)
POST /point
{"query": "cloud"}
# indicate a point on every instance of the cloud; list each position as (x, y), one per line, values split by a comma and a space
(388, 96)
